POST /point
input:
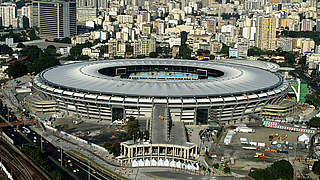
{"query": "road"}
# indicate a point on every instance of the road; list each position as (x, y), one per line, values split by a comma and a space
(81, 170)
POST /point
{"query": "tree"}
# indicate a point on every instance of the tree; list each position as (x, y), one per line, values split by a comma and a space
(153, 55)
(41, 63)
(5, 49)
(16, 69)
(184, 37)
(56, 174)
(225, 49)
(316, 167)
(76, 51)
(185, 52)
(313, 98)
(278, 170)
(66, 40)
(254, 51)
(116, 148)
(315, 35)
(32, 34)
(261, 174)
(50, 50)
(132, 128)
(113, 148)
(314, 122)
(32, 52)
(227, 169)
(20, 45)
(212, 57)
(84, 57)
(216, 165)
(146, 134)
(282, 169)
(202, 52)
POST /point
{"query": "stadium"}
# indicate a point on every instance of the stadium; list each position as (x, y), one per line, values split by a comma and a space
(195, 92)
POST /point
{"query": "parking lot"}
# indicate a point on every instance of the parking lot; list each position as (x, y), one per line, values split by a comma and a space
(262, 135)
(91, 130)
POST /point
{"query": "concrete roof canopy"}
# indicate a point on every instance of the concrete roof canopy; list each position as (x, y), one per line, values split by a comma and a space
(237, 79)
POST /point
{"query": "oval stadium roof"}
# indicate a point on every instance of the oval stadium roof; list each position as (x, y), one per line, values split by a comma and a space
(237, 79)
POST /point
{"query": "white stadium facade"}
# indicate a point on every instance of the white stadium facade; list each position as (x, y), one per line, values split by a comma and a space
(195, 92)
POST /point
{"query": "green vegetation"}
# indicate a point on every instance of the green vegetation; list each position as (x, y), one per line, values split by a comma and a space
(40, 159)
(314, 122)
(216, 165)
(20, 45)
(162, 50)
(227, 169)
(66, 40)
(288, 56)
(316, 167)
(278, 170)
(313, 98)
(35, 62)
(225, 49)
(17, 69)
(4, 49)
(153, 54)
(184, 50)
(133, 131)
(114, 148)
(202, 52)
(75, 52)
(20, 37)
(315, 35)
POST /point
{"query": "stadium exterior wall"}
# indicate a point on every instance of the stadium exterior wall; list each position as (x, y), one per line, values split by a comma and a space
(227, 109)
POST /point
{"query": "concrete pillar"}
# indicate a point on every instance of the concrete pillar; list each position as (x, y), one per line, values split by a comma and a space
(187, 153)
(143, 152)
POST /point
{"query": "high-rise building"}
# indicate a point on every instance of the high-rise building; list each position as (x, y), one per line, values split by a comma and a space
(266, 33)
(86, 14)
(144, 46)
(26, 11)
(8, 14)
(55, 19)
(210, 25)
(253, 4)
(99, 4)
(318, 16)
(307, 25)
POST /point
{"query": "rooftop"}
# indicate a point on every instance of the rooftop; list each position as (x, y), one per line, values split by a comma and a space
(237, 79)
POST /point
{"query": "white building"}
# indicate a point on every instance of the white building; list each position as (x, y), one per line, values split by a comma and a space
(174, 41)
(26, 11)
(8, 14)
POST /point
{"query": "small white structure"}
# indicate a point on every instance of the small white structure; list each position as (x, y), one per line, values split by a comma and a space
(153, 162)
(245, 130)
(178, 164)
(135, 163)
(252, 143)
(244, 140)
(228, 138)
(304, 138)
(141, 163)
(172, 163)
(160, 162)
(166, 163)
(147, 162)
